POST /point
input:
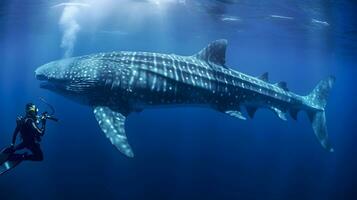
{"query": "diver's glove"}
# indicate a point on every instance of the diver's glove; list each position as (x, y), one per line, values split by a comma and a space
(43, 118)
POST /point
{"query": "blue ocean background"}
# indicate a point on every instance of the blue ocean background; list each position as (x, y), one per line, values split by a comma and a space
(185, 152)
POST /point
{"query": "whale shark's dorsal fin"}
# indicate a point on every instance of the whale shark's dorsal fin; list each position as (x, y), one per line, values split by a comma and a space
(283, 85)
(113, 125)
(215, 52)
(264, 77)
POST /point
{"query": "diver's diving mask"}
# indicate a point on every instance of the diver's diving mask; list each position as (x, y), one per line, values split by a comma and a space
(32, 109)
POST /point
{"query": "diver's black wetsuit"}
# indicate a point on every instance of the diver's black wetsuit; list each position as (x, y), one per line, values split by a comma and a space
(31, 135)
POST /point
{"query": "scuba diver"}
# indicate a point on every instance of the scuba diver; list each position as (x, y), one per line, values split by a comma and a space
(31, 134)
(31, 128)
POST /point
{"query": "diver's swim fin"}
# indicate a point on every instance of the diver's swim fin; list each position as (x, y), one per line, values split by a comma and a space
(5, 163)
(4, 155)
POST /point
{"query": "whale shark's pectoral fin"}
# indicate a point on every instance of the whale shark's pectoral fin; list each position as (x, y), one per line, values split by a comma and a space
(113, 125)
(235, 113)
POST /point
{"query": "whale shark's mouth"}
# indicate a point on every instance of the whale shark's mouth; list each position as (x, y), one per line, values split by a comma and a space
(49, 83)
(44, 80)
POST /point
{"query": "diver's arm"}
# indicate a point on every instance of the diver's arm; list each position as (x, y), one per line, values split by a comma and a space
(40, 131)
(43, 128)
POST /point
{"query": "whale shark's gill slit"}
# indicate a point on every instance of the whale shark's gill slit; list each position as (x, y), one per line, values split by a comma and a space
(80, 85)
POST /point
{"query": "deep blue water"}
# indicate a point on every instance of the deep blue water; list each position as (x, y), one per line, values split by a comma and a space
(185, 153)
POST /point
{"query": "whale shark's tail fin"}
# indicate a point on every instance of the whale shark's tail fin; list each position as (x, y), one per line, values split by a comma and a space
(318, 99)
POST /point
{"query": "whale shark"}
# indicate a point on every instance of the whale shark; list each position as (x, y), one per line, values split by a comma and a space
(116, 84)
